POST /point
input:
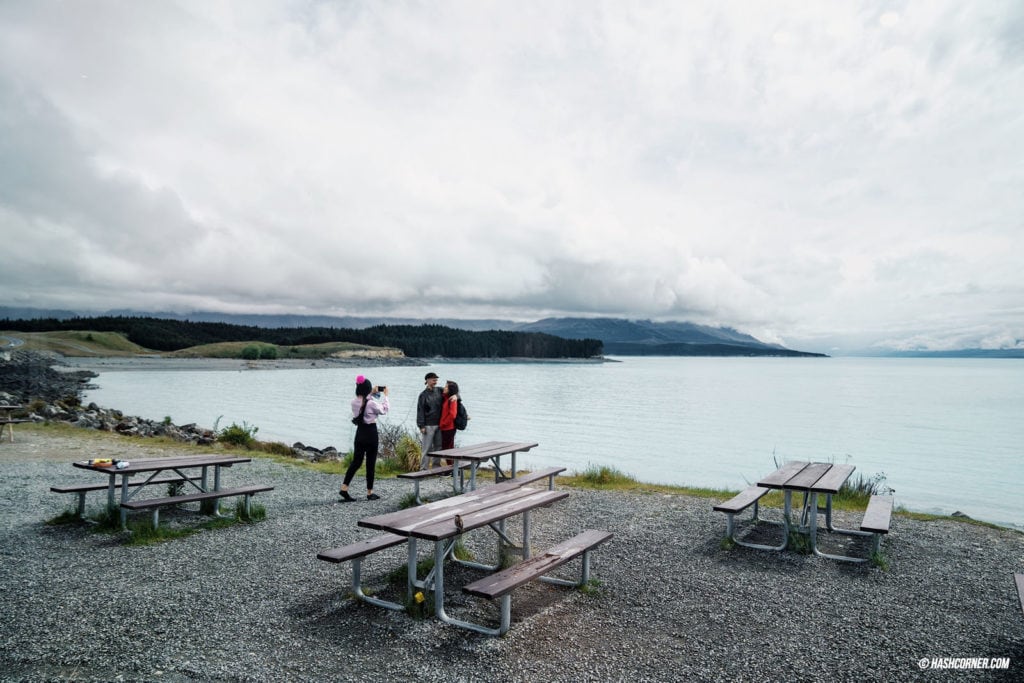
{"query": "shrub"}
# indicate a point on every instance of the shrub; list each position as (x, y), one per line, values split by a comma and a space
(235, 435)
(251, 352)
(407, 453)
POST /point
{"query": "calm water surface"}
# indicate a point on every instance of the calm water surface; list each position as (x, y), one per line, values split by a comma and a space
(946, 433)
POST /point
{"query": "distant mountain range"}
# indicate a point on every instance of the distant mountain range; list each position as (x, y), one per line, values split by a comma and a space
(620, 337)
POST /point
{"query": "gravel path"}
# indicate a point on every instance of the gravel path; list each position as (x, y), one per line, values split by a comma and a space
(252, 602)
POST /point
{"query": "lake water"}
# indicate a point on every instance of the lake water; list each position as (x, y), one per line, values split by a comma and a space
(948, 434)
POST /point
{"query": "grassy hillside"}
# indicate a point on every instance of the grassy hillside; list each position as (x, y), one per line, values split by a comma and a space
(301, 351)
(114, 344)
(79, 344)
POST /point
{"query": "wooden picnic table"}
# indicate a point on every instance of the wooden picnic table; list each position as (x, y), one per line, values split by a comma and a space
(153, 467)
(441, 522)
(812, 479)
(7, 421)
(481, 453)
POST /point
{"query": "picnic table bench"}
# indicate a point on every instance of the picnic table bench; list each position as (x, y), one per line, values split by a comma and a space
(82, 489)
(155, 504)
(521, 479)
(877, 518)
(420, 475)
(501, 584)
(737, 504)
(355, 552)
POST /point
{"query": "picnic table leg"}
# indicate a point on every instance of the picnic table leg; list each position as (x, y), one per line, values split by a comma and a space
(439, 555)
(111, 488)
(526, 535)
(787, 497)
(456, 487)
(411, 580)
(814, 536)
(835, 529)
(124, 499)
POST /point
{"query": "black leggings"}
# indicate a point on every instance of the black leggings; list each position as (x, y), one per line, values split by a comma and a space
(365, 446)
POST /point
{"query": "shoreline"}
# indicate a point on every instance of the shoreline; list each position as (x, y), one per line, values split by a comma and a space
(164, 363)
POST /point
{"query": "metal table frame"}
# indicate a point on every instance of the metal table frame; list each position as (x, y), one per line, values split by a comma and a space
(155, 466)
(812, 480)
(443, 522)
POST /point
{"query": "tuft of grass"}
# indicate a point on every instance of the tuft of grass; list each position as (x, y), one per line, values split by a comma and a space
(604, 477)
(420, 606)
(881, 561)
(407, 501)
(592, 588)
(66, 517)
(257, 513)
(275, 448)
(108, 520)
(143, 533)
(857, 491)
(397, 575)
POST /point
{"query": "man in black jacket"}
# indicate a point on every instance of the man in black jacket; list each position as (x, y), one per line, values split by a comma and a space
(428, 417)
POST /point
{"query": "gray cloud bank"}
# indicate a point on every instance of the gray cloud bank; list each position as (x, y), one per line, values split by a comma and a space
(824, 175)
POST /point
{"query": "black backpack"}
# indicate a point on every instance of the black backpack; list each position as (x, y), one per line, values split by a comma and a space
(461, 417)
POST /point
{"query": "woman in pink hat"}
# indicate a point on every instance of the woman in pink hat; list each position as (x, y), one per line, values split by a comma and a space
(370, 403)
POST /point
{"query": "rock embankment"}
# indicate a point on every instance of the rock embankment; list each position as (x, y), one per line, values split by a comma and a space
(50, 391)
(28, 375)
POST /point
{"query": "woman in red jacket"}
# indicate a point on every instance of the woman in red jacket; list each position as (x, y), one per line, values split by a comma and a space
(449, 408)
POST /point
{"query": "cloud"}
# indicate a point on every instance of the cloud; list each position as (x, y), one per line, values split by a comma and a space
(800, 172)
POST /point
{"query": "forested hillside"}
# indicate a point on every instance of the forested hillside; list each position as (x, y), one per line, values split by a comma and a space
(420, 341)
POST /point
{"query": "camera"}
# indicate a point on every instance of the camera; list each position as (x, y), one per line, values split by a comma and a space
(381, 388)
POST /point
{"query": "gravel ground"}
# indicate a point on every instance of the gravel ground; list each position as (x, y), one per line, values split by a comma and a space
(252, 602)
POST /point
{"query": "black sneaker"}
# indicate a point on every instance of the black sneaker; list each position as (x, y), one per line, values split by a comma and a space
(373, 496)
(345, 498)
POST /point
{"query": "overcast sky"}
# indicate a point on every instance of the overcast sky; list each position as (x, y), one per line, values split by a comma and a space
(825, 175)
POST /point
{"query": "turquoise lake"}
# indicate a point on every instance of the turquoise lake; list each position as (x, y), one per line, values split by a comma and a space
(946, 433)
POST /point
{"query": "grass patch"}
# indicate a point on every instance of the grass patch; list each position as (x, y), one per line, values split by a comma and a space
(66, 517)
(603, 477)
(83, 343)
(407, 501)
(143, 533)
(879, 560)
(257, 513)
(799, 543)
(592, 588)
